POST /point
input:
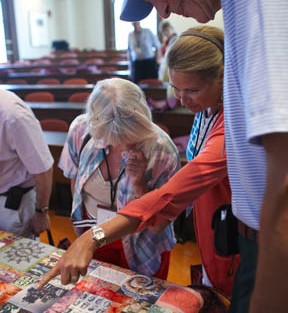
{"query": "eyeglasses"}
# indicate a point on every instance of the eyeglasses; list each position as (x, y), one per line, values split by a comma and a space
(187, 92)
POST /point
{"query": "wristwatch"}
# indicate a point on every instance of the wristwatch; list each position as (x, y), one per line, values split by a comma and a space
(42, 210)
(98, 235)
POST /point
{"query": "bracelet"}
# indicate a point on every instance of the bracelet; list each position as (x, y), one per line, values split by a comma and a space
(42, 210)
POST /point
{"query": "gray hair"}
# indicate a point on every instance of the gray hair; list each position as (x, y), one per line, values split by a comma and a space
(118, 113)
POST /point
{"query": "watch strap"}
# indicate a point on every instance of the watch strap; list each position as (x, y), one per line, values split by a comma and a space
(42, 210)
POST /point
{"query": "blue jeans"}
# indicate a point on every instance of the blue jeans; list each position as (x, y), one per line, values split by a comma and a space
(245, 276)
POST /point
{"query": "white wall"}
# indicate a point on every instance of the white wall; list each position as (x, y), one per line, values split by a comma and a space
(86, 24)
(181, 23)
(81, 23)
(22, 26)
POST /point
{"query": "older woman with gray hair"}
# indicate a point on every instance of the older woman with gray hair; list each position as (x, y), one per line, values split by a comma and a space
(113, 154)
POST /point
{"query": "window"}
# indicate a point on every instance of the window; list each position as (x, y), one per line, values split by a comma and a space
(122, 29)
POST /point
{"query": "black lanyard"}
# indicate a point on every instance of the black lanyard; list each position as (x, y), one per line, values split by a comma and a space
(113, 187)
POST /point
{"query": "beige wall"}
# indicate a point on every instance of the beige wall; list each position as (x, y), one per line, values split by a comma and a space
(81, 23)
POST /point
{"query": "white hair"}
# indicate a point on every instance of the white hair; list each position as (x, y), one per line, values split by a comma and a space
(118, 113)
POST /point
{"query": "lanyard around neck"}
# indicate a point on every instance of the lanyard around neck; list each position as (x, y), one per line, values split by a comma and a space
(196, 151)
(113, 187)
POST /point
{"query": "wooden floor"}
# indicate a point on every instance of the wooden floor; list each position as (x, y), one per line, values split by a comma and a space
(183, 255)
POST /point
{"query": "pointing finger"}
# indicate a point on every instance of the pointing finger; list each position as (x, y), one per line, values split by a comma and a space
(48, 276)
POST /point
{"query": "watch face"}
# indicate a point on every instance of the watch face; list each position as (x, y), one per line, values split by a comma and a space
(99, 236)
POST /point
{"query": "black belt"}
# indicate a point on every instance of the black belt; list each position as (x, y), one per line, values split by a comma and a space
(247, 232)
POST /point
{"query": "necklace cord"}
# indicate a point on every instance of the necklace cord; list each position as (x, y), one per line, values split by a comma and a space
(195, 152)
(113, 187)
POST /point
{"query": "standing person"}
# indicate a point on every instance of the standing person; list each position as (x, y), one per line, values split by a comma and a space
(143, 53)
(25, 169)
(256, 114)
(168, 37)
(197, 79)
(125, 156)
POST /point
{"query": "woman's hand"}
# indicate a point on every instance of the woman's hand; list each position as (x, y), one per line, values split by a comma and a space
(74, 262)
(135, 168)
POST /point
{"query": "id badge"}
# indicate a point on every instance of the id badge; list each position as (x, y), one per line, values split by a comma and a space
(104, 213)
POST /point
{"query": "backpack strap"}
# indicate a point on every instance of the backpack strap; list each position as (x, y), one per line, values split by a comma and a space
(86, 139)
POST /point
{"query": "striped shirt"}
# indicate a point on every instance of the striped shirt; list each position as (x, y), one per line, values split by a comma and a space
(142, 249)
(255, 95)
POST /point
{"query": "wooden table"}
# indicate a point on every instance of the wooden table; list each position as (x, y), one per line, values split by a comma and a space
(66, 111)
(92, 78)
(55, 139)
(18, 68)
(62, 92)
(105, 288)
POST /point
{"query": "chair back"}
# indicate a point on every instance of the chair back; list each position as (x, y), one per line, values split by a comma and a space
(68, 55)
(107, 68)
(80, 96)
(75, 81)
(40, 96)
(94, 61)
(49, 81)
(151, 82)
(54, 124)
(16, 81)
(69, 61)
(42, 62)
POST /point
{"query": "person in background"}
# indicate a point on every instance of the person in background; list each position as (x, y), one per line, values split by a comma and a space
(168, 36)
(256, 128)
(197, 81)
(124, 156)
(25, 169)
(143, 53)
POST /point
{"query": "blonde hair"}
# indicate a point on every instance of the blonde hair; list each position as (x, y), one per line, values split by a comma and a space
(192, 53)
(118, 113)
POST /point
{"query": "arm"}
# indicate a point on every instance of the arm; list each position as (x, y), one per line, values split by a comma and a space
(191, 181)
(273, 245)
(43, 183)
(70, 266)
(72, 185)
